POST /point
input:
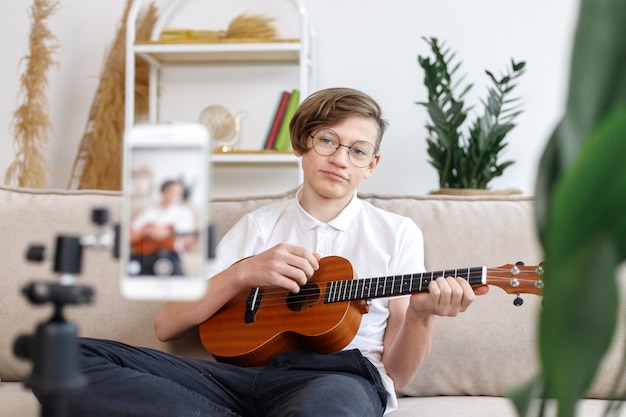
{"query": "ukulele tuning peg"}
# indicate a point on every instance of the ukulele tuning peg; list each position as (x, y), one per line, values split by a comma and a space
(539, 270)
(518, 301)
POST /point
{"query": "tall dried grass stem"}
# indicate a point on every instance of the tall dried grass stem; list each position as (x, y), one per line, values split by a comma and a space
(31, 125)
(98, 163)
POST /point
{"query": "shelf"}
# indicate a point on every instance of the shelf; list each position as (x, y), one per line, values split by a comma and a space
(254, 167)
(247, 52)
(254, 157)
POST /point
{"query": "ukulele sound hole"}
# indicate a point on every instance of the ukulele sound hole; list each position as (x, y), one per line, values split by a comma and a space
(305, 299)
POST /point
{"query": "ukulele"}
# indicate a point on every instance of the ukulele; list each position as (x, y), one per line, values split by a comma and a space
(325, 315)
(144, 246)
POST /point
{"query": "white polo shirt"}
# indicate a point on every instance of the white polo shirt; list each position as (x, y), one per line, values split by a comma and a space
(179, 217)
(376, 242)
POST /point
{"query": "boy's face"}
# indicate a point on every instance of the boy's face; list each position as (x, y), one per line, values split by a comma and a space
(335, 176)
(173, 194)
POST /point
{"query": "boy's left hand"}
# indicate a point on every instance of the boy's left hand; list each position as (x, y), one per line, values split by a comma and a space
(447, 297)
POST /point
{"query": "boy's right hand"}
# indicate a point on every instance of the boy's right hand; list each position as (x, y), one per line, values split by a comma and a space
(286, 266)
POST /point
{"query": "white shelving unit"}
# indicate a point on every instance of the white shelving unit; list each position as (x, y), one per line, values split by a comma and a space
(159, 54)
(254, 158)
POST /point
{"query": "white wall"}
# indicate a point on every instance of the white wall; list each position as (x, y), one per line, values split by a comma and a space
(366, 44)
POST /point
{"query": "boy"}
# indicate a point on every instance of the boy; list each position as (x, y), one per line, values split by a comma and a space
(337, 133)
(160, 234)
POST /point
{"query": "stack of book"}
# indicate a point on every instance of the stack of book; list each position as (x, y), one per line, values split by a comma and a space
(277, 137)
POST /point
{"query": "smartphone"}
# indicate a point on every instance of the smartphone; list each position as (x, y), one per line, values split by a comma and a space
(163, 235)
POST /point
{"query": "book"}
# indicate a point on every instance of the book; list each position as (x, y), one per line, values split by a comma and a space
(283, 140)
(279, 114)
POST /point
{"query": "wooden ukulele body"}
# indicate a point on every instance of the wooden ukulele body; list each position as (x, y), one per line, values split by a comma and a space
(285, 321)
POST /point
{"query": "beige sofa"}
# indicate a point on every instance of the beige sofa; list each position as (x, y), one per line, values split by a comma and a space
(475, 357)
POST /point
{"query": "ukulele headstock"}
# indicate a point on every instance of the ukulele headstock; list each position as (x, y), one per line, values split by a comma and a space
(517, 279)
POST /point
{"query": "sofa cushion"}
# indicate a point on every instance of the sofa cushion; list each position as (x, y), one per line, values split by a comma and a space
(33, 216)
(37, 217)
(493, 335)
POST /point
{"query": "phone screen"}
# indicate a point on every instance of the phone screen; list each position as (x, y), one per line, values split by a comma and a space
(165, 232)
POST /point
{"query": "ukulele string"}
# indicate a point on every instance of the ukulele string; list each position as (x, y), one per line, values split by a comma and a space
(276, 296)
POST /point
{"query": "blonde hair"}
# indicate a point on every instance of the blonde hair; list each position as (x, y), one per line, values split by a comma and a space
(331, 106)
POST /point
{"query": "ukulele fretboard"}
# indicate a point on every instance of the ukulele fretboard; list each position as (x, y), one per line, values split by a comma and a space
(364, 288)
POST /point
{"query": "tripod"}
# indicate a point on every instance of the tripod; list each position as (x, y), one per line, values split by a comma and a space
(53, 348)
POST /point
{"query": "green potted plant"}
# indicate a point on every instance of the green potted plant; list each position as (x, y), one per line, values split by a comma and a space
(580, 205)
(471, 159)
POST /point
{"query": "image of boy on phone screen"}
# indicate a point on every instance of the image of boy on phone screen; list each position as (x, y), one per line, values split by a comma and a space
(161, 234)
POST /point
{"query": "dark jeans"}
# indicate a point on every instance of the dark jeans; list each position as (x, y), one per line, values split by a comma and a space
(129, 381)
(163, 263)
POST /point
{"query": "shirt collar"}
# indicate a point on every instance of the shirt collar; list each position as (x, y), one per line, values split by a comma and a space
(341, 222)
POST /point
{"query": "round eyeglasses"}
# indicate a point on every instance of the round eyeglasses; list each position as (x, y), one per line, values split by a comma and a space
(326, 142)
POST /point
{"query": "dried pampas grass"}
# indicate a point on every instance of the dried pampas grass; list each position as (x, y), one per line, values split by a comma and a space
(31, 122)
(98, 163)
(254, 26)
(244, 27)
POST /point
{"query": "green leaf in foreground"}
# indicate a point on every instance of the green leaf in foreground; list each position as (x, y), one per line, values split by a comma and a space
(584, 243)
